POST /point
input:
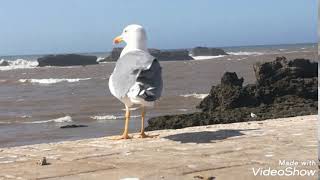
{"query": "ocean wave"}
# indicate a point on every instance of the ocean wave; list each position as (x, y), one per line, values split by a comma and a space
(25, 116)
(299, 51)
(17, 64)
(51, 81)
(100, 59)
(58, 120)
(195, 95)
(206, 57)
(240, 59)
(111, 117)
(245, 53)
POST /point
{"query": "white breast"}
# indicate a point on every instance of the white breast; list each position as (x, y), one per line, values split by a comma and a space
(124, 100)
(111, 87)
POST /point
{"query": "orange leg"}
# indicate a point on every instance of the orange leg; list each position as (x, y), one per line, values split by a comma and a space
(142, 134)
(125, 134)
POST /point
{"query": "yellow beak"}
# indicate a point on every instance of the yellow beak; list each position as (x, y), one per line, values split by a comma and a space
(117, 40)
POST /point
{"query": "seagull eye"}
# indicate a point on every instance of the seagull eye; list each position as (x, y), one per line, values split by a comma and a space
(125, 31)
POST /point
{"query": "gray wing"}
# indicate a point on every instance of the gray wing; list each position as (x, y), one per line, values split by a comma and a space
(151, 82)
(138, 66)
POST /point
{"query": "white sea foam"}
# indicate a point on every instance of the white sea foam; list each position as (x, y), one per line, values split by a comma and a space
(100, 59)
(131, 109)
(245, 53)
(106, 117)
(206, 57)
(111, 117)
(240, 59)
(19, 64)
(51, 81)
(195, 95)
(58, 120)
(183, 110)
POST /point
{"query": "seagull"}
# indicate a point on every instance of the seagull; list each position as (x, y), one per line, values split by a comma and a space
(136, 78)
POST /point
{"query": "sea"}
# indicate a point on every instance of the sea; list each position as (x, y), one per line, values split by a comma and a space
(36, 101)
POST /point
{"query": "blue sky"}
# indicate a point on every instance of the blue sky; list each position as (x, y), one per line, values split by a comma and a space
(60, 26)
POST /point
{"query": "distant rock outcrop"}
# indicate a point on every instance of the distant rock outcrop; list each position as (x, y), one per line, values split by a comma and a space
(167, 55)
(4, 63)
(114, 55)
(283, 89)
(205, 51)
(171, 55)
(67, 60)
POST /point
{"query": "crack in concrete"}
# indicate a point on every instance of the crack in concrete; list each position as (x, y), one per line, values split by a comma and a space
(216, 168)
(76, 173)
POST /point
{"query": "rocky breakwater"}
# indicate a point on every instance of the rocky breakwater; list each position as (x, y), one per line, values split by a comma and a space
(161, 55)
(205, 51)
(67, 60)
(283, 89)
(171, 55)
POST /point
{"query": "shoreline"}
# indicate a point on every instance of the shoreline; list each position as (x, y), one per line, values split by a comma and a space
(207, 151)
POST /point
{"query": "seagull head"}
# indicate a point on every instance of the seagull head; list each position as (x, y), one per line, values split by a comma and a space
(134, 36)
(131, 34)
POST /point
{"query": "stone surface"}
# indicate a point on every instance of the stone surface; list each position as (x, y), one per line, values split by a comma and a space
(283, 89)
(67, 60)
(223, 151)
(205, 51)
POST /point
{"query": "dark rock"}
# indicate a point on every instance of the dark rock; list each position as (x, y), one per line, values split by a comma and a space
(283, 89)
(229, 94)
(171, 55)
(73, 126)
(67, 60)
(231, 79)
(211, 178)
(205, 51)
(281, 68)
(4, 63)
(43, 162)
(114, 55)
(168, 55)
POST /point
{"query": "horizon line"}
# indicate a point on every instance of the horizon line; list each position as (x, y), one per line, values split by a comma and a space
(75, 52)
